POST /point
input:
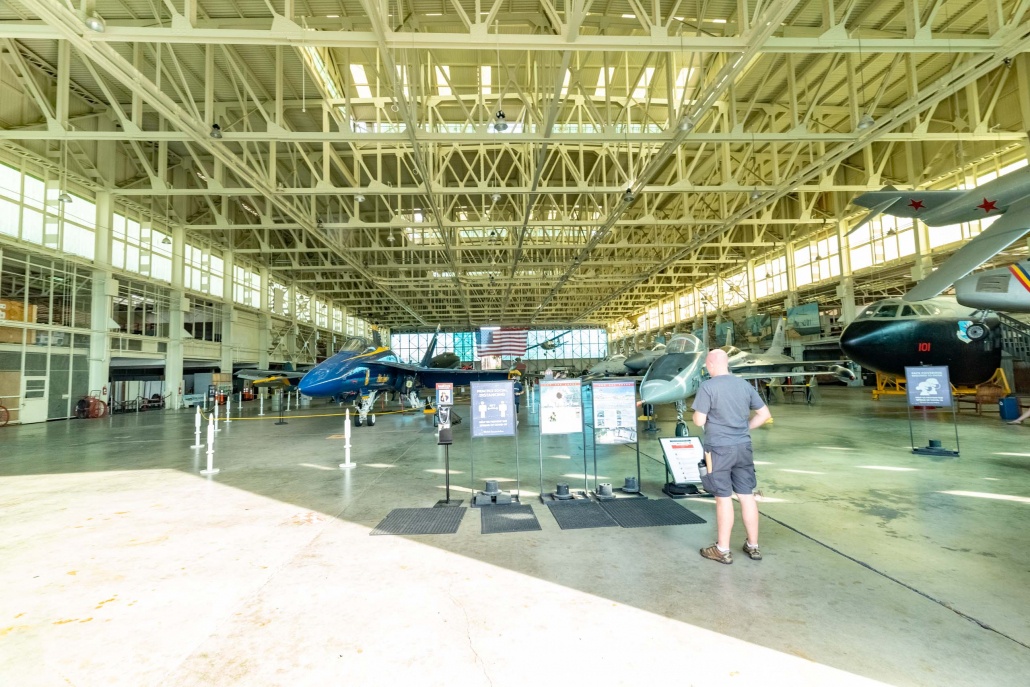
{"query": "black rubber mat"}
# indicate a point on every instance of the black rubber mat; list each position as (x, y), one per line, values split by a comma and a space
(580, 515)
(513, 518)
(649, 513)
(421, 521)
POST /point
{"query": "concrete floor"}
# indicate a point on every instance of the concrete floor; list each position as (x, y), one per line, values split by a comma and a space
(121, 565)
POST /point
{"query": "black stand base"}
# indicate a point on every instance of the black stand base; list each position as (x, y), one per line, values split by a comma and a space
(935, 451)
(444, 503)
(577, 497)
(683, 491)
(636, 493)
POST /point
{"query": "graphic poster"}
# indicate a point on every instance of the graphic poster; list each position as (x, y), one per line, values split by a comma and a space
(683, 454)
(493, 409)
(928, 386)
(444, 394)
(615, 412)
(561, 406)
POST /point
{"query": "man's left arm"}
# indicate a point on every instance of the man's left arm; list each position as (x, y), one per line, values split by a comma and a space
(700, 418)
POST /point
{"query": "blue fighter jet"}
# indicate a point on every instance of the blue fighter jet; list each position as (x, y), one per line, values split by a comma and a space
(377, 369)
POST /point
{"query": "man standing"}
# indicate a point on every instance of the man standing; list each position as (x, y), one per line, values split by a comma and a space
(723, 408)
(517, 387)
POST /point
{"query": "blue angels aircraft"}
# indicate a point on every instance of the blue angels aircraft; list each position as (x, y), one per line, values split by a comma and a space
(377, 369)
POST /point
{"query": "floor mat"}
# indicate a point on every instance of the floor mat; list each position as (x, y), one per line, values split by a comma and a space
(580, 515)
(513, 518)
(649, 513)
(421, 521)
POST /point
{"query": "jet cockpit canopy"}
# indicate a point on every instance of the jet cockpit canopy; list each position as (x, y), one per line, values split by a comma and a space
(895, 307)
(355, 344)
(684, 343)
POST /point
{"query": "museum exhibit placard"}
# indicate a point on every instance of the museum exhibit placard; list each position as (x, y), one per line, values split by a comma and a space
(929, 386)
(561, 406)
(615, 411)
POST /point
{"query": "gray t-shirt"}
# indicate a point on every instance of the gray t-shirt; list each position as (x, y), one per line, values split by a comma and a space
(728, 402)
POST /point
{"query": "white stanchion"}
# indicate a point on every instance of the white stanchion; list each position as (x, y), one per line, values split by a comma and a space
(261, 402)
(196, 429)
(228, 408)
(346, 443)
(211, 469)
(214, 414)
(289, 395)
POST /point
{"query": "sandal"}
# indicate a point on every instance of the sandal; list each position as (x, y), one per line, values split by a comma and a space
(713, 553)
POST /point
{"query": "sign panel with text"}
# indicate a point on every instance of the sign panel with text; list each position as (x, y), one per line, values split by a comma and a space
(615, 412)
(561, 406)
(444, 394)
(493, 409)
(683, 454)
(929, 387)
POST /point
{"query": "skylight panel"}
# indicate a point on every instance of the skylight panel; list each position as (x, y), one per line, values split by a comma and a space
(357, 73)
(640, 92)
(600, 91)
(323, 72)
(443, 75)
(682, 79)
(485, 79)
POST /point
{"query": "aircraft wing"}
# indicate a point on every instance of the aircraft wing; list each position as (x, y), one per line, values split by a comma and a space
(254, 374)
(904, 203)
(1011, 226)
(430, 377)
(809, 369)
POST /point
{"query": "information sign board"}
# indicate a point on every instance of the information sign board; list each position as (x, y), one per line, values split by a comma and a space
(561, 406)
(682, 455)
(615, 412)
(493, 409)
(444, 394)
(929, 386)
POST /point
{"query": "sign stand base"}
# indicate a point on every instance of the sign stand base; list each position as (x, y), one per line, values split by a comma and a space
(444, 503)
(684, 491)
(934, 448)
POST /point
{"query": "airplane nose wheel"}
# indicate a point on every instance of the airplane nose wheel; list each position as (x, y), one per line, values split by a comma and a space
(681, 429)
(372, 420)
(976, 331)
(358, 422)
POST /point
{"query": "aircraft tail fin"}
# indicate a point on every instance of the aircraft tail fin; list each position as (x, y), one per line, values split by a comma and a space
(377, 338)
(779, 339)
(427, 359)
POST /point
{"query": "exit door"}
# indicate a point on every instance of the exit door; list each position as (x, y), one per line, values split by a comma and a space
(34, 402)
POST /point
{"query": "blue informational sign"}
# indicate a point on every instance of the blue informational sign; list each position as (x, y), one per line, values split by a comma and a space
(615, 412)
(561, 406)
(493, 409)
(929, 387)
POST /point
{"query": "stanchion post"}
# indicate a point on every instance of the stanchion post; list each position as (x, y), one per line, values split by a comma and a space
(228, 408)
(347, 464)
(289, 395)
(196, 429)
(281, 420)
(214, 414)
(261, 403)
(211, 469)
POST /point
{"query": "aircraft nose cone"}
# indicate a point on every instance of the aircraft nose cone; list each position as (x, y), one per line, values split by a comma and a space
(317, 383)
(659, 391)
(636, 362)
(861, 340)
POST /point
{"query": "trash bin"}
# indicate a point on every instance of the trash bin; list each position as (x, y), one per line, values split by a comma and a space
(1008, 408)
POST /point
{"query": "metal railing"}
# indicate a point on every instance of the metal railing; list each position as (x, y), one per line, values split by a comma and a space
(1015, 337)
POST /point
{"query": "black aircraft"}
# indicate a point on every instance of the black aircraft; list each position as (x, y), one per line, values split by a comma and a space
(893, 334)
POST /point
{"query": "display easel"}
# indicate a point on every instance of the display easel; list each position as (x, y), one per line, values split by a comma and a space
(929, 387)
(682, 474)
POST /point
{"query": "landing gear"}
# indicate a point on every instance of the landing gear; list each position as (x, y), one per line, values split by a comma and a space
(364, 406)
(415, 401)
(681, 423)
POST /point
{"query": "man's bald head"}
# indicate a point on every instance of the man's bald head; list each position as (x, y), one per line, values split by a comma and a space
(717, 362)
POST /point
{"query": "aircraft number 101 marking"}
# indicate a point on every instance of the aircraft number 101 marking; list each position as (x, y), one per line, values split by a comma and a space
(924, 346)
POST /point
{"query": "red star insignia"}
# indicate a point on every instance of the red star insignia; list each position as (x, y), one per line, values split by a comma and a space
(988, 205)
(916, 204)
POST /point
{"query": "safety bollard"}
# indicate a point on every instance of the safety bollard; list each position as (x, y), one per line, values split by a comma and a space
(289, 395)
(228, 408)
(196, 429)
(215, 415)
(346, 442)
(261, 403)
(211, 469)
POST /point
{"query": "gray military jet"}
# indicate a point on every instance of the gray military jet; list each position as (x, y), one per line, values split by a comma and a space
(641, 360)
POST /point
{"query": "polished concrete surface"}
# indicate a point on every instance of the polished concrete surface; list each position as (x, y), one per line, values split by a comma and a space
(121, 565)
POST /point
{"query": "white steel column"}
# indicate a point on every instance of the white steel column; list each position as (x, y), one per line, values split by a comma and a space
(228, 313)
(176, 331)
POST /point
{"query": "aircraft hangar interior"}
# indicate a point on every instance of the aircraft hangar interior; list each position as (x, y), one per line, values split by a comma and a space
(341, 340)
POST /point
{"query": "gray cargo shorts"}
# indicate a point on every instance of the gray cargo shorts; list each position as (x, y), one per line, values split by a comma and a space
(733, 470)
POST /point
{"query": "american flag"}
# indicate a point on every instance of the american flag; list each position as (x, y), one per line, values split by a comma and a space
(507, 343)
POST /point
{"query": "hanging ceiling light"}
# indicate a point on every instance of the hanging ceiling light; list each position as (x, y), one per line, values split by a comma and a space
(500, 121)
(166, 241)
(628, 196)
(496, 197)
(94, 22)
(216, 131)
(359, 198)
(756, 194)
(865, 122)
(64, 197)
